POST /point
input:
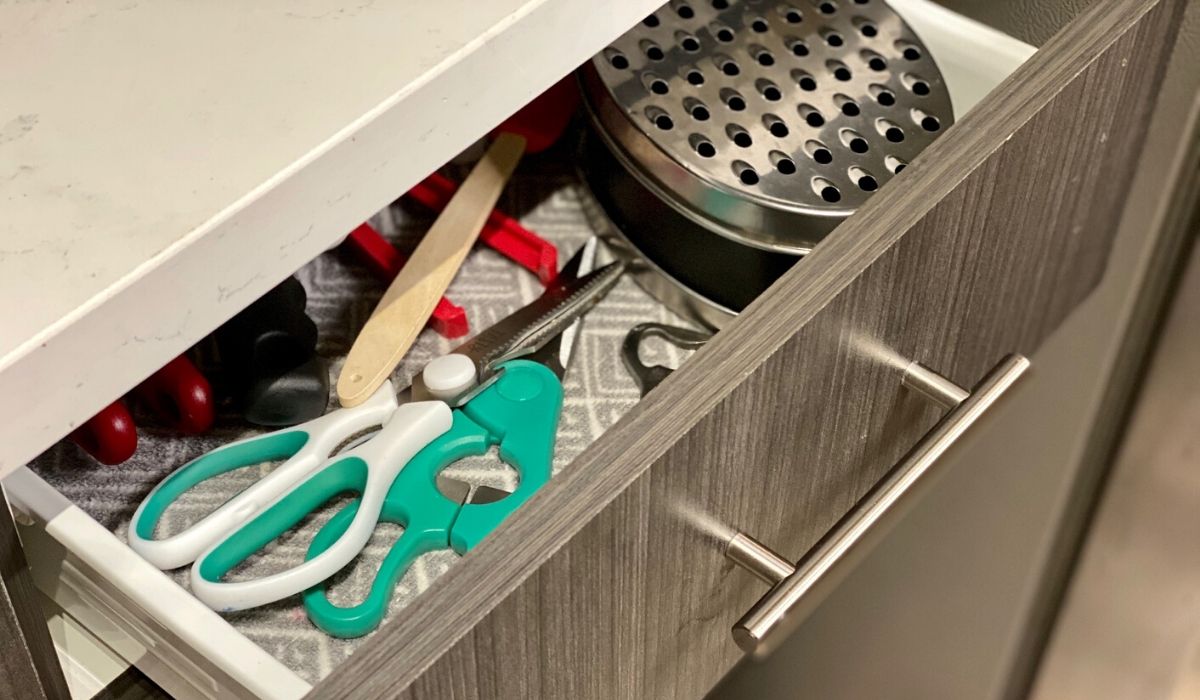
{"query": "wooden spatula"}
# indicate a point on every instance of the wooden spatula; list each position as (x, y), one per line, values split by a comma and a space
(410, 299)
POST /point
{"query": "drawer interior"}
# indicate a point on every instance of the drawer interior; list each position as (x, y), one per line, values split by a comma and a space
(550, 199)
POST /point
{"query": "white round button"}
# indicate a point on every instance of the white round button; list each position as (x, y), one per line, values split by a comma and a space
(449, 375)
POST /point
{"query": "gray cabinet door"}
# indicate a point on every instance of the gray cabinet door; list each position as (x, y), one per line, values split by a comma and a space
(611, 582)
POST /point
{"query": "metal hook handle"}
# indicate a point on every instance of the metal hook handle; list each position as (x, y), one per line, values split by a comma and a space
(648, 377)
(798, 590)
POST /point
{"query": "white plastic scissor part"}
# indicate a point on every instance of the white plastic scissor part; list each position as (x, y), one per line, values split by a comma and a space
(448, 376)
(411, 427)
(325, 434)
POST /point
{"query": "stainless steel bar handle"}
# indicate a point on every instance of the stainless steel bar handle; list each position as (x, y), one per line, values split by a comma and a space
(798, 590)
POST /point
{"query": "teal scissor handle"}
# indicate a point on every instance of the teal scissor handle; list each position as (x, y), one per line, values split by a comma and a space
(303, 448)
(519, 412)
(367, 470)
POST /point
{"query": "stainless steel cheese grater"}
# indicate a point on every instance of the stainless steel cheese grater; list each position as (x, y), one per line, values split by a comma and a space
(767, 123)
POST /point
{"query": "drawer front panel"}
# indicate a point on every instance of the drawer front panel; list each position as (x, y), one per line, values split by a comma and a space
(612, 581)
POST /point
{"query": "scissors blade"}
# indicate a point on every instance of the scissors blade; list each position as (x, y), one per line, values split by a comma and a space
(532, 327)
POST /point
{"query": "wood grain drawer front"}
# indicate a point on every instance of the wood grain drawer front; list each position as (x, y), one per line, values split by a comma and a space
(611, 583)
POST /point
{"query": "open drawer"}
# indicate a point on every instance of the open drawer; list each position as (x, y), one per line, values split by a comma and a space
(613, 581)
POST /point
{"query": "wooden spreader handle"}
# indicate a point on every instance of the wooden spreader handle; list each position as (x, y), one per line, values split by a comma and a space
(410, 299)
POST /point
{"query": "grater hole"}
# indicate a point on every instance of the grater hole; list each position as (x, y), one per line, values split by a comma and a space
(765, 58)
(894, 164)
(848, 106)
(729, 66)
(811, 115)
(702, 146)
(783, 163)
(883, 96)
(697, 109)
(745, 172)
(865, 180)
(806, 82)
(775, 125)
(768, 90)
(689, 43)
(695, 77)
(868, 30)
(797, 47)
(890, 131)
(877, 63)
(826, 189)
(854, 141)
(840, 70)
(659, 86)
(739, 136)
(759, 25)
(616, 59)
(720, 4)
(912, 54)
(827, 8)
(793, 16)
(916, 83)
(650, 21)
(930, 123)
(833, 39)
(660, 118)
(818, 152)
(653, 51)
(685, 11)
(724, 35)
(733, 100)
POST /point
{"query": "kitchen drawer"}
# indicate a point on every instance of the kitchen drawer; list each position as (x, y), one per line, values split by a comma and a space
(612, 581)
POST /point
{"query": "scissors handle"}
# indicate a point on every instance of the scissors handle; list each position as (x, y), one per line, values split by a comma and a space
(304, 448)
(413, 502)
(368, 469)
(519, 412)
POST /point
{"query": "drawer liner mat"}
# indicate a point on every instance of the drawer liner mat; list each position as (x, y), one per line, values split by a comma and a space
(341, 295)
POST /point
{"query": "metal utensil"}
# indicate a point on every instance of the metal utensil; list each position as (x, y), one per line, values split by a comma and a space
(650, 376)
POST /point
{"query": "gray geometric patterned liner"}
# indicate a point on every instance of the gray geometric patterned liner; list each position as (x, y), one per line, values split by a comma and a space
(548, 199)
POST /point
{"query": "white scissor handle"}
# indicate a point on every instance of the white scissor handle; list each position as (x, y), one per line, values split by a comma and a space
(410, 428)
(304, 447)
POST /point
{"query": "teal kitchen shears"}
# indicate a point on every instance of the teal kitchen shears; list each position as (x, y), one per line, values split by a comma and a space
(501, 388)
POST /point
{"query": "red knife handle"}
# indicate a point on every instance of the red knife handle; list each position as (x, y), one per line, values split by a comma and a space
(109, 436)
(377, 253)
(180, 395)
(501, 231)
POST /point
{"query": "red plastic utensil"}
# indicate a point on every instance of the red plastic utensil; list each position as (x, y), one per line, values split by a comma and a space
(544, 120)
(385, 261)
(502, 232)
(109, 436)
(177, 393)
(180, 396)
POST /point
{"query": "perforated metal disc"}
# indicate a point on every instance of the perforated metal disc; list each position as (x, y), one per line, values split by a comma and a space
(766, 122)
